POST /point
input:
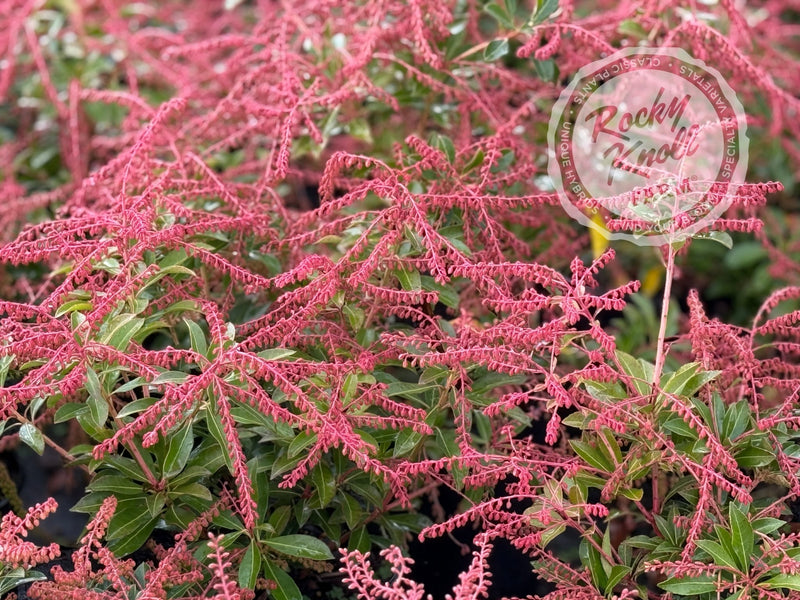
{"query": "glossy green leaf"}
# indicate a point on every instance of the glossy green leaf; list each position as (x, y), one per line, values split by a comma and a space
(496, 50)
(302, 441)
(32, 437)
(300, 546)
(215, 428)
(742, 536)
(178, 451)
(286, 588)
(689, 586)
(324, 483)
(72, 306)
(718, 553)
(617, 573)
(351, 509)
(170, 377)
(592, 455)
(784, 581)
(250, 567)
(136, 406)
(130, 526)
(767, 525)
(197, 338)
(121, 330)
(116, 484)
(276, 353)
(69, 411)
(750, 457)
(544, 8)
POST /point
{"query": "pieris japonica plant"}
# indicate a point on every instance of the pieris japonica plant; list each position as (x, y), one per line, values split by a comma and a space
(276, 275)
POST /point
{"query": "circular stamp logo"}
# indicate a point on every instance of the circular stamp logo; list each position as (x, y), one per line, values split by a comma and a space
(650, 140)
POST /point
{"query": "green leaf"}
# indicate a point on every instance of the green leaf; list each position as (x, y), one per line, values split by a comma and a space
(701, 584)
(593, 456)
(18, 577)
(355, 316)
(32, 437)
(196, 490)
(406, 441)
(495, 50)
(197, 338)
(5, 364)
(736, 420)
(550, 534)
(591, 558)
(409, 280)
(250, 567)
(349, 387)
(698, 381)
(89, 503)
(324, 483)
(131, 385)
(632, 28)
(753, 456)
(126, 466)
(93, 383)
(191, 473)
(279, 518)
(634, 494)
(215, 428)
(789, 582)
(69, 411)
(244, 414)
(544, 8)
(180, 447)
(276, 353)
(301, 442)
(116, 484)
(447, 295)
(300, 546)
(610, 445)
(741, 535)
(615, 576)
(767, 525)
(547, 70)
(72, 306)
(351, 510)
(445, 145)
(137, 406)
(721, 237)
(681, 427)
(170, 377)
(725, 539)
(676, 381)
(500, 14)
(475, 161)
(98, 406)
(130, 526)
(121, 329)
(636, 370)
(360, 540)
(286, 587)
(718, 553)
(402, 388)
(155, 503)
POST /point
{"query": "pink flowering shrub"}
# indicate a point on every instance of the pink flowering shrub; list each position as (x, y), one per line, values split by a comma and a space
(277, 274)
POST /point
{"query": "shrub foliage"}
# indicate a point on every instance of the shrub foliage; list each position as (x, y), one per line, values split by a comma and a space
(274, 273)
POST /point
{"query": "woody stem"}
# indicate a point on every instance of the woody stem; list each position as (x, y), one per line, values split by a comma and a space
(662, 330)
